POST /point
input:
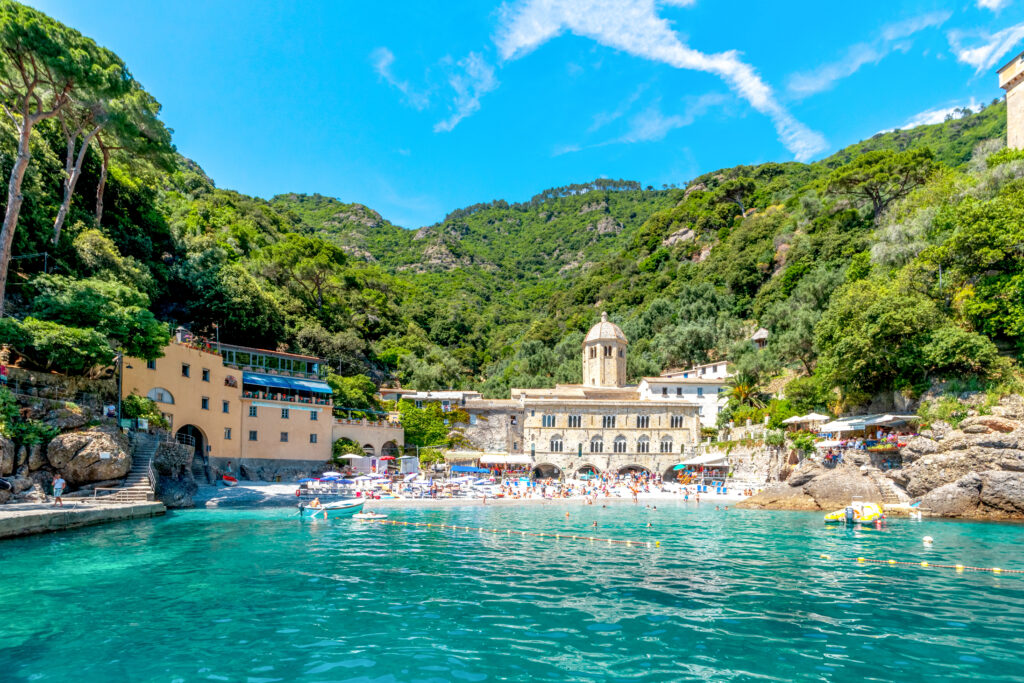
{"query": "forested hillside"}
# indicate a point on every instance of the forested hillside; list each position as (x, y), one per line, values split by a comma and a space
(890, 264)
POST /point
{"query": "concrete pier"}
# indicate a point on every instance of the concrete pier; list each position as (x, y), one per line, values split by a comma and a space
(23, 519)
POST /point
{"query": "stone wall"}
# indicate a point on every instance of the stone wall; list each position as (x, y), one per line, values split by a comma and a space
(493, 431)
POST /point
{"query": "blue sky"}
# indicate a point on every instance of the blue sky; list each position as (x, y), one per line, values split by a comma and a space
(419, 108)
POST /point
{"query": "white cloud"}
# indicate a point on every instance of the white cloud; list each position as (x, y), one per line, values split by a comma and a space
(651, 125)
(990, 51)
(602, 119)
(940, 114)
(382, 59)
(891, 38)
(994, 5)
(634, 26)
(473, 79)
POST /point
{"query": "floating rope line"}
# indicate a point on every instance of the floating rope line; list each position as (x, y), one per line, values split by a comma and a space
(511, 532)
(960, 568)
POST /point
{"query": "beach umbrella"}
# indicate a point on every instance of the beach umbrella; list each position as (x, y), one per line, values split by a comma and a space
(303, 481)
(332, 474)
(350, 456)
(387, 457)
(680, 466)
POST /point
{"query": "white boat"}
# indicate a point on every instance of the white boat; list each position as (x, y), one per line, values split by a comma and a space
(342, 508)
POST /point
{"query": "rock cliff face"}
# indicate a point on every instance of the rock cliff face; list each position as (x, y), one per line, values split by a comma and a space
(175, 483)
(78, 456)
(976, 470)
(814, 487)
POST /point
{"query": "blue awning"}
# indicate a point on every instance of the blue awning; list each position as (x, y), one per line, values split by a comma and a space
(282, 382)
(467, 468)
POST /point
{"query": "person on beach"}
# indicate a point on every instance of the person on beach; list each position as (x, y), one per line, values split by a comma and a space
(58, 490)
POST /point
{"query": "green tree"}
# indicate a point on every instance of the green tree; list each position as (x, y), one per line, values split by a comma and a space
(118, 312)
(43, 66)
(133, 132)
(881, 177)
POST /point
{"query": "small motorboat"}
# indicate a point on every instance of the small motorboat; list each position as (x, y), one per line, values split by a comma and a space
(341, 508)
(856, 512)
(229, 480)
(368, 515)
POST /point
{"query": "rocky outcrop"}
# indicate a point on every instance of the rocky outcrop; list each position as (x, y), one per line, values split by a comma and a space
(812, 486)
(992, 495)
(929, 464)
(90, 455)
(684, 235)
(606, 226)
(175, 483)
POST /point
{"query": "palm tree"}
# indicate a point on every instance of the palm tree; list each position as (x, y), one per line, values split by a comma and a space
(745, 389)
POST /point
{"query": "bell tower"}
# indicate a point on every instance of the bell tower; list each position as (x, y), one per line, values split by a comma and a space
(604, 355)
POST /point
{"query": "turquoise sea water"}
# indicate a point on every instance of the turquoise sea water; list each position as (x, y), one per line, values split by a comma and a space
(261, 596)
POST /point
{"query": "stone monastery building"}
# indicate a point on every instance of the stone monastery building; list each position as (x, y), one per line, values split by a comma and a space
(601, 425)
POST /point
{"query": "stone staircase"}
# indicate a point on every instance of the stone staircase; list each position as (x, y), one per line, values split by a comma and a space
(891, 493)
(137, 487)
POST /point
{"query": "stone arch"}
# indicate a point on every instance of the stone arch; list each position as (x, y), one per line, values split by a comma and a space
(369, 450)
(587, 470)
(627, 469)
(666, 444)
(546, 470)
(620, 444)
(160, 395)
(643, 444)
(597, 444)
(389, 448)
(191, 435)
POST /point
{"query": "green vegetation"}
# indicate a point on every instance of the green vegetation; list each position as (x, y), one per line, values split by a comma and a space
(889, 266)
(136, 407)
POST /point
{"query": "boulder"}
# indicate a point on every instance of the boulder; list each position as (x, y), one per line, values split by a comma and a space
(175, 484)
(838, 486)
(6, 456)
(983, 424)
(814, 487)
(994, 494)
(5, 496)
(955, 499)
(780, 497)
(37, 458)
(939, 469)
(77, 455)
(21, 484)
(806, 471)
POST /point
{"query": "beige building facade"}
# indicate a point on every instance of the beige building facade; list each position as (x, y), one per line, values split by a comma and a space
(1010, 77)
(266, 412)
(602, 425)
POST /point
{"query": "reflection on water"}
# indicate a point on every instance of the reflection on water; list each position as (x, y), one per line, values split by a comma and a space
(729, 595)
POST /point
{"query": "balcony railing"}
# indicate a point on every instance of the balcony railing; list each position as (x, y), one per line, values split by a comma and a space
(286, 398)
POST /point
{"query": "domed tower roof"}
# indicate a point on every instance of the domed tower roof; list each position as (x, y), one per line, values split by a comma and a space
(605, 330)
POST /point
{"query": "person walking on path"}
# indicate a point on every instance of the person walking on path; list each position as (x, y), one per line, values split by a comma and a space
(58, 489)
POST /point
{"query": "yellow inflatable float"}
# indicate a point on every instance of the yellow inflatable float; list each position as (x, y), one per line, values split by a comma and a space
(856, 513)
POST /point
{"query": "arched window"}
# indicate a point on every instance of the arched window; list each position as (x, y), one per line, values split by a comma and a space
(643, 444)
(620, 444)
(556, 444)
(160, 395)
(666, 444)
(597, 445)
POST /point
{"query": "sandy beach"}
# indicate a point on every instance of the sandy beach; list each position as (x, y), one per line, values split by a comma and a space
(263, 494)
